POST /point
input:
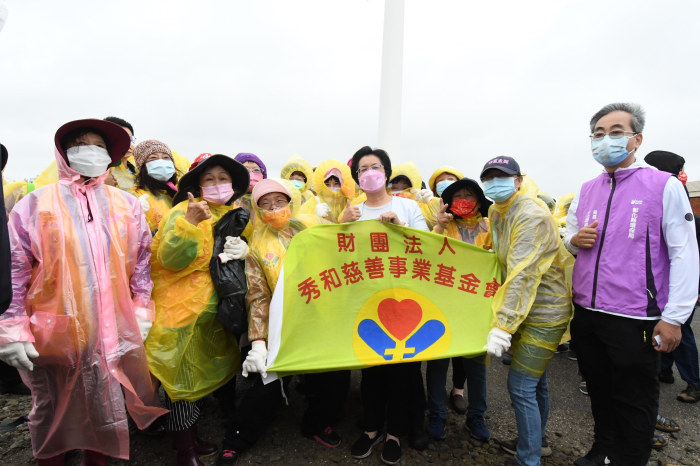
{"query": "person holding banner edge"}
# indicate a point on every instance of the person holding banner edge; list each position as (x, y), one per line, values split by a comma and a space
(462, 216)
(386, 390)
(532, 308)
(276, 203)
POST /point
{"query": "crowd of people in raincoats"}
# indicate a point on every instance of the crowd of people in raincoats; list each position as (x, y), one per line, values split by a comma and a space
(133, 270)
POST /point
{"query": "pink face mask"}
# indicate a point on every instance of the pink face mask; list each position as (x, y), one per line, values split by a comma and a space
(218, 194)
(254, 178)
(372, 181)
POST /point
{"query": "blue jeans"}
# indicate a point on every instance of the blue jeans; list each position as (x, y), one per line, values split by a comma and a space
(685, 356)
(436, 377)
(530, 397)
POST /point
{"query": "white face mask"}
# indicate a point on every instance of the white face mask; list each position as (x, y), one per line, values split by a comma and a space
(89, 161)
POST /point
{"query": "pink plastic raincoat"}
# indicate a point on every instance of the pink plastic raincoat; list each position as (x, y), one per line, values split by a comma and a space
(80, 272)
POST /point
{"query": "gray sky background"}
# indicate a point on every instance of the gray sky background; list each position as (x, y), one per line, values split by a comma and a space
(481, 79)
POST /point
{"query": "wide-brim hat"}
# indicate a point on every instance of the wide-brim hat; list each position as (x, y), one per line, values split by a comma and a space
(3, 156)
(117, 139)
(189, 183)
(474, 187)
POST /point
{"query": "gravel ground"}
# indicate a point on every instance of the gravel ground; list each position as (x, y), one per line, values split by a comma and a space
(569, 430)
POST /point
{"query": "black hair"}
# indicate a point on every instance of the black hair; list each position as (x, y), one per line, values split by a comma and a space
(403, 178)
(120, 122)
(332, 177)
(301, 173)
(147, 183)
(77, 133)
(365, 151)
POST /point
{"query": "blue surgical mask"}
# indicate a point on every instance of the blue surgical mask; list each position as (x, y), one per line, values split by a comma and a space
(442, 185)
(610, 152)
(298, 184)
(499, 189)
(161, 169)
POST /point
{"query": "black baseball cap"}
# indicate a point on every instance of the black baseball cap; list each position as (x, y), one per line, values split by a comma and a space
(505, 164)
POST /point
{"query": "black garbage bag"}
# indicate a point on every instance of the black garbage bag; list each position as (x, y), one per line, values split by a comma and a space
(229, 278)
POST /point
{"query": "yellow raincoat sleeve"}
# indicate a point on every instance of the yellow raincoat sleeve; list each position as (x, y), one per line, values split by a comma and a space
(181, 241)
(531, 251)
(257, 299)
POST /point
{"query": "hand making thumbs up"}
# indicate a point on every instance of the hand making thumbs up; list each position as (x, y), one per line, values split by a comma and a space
(196, 211)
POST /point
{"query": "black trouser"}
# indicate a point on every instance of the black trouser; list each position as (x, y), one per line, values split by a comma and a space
(258, 408)
(326, 392)
(459, 373)
(620, 365)
(9, 376)
(386, 395)
(418, 403)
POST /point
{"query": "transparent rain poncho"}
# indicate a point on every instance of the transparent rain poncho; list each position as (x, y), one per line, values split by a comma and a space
(337, 201)
(268, 247)
(534, 302)
(188, 348)
(308, 198)
(80, 275)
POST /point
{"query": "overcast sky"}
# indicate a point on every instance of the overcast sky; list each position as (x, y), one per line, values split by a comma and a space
(481, 79)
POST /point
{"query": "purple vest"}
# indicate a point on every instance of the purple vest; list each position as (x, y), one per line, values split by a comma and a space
(627, 270)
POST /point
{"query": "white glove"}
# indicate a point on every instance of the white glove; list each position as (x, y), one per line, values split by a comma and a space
(424, 196)
(143, 200)
(17, 354)
(144, 327)
(322, 210)
(234, 249)
(255, 361)
(497, 342)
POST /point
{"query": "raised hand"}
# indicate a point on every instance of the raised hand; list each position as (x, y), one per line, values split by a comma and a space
(196, 211)
(351, 214)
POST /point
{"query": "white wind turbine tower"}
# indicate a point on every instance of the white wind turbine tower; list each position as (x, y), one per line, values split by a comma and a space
(389, 134)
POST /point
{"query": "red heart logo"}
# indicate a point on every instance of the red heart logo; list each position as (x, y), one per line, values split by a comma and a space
(400, 317)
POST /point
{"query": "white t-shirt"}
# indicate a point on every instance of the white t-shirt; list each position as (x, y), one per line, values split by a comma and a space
(406, 209)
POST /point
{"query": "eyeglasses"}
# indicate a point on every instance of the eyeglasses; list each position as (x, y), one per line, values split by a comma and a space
(267, 205)
(133, 139)
(257, 171)
(376, 166)
(491, 177)
(614, 134)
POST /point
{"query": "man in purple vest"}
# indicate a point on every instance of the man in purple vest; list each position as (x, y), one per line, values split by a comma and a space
(634, 284)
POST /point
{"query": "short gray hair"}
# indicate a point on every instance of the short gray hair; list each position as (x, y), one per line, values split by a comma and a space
(636, 110)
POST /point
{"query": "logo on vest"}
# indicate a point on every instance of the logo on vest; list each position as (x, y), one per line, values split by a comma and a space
(635, 202)
(633, 220)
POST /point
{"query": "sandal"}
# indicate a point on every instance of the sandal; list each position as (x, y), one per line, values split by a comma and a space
(666, 425)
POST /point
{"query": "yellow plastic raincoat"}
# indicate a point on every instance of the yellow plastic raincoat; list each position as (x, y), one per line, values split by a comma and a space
(428, 209)
(534, 302)
(475, 230)
(337, 201)
(297, 164)
(80, 276)
(548, 201)
(160, 205)
(188, 348)
(563, 208)
(123, 176)
(268, 247)
(15, 191)
(433, 179)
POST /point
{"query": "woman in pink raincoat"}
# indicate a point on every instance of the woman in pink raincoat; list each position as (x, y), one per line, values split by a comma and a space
(81, 304)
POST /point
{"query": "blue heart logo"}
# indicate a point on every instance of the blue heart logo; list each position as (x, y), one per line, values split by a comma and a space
(385, 346)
